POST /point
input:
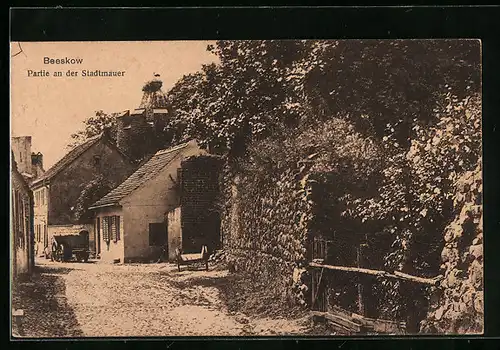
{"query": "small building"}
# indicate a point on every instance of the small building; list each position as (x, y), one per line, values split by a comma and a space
(57, 191)
(21, 223)
(132, 220)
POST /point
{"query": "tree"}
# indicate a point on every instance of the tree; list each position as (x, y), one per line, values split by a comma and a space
(92, 192)
(93, 126)
(259, 87)
(244, 98)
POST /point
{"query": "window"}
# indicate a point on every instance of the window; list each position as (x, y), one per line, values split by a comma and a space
(43, 194)
(111, 228)
(157, 234)
(26, 231)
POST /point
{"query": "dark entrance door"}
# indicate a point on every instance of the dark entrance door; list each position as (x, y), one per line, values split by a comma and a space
(158, 237)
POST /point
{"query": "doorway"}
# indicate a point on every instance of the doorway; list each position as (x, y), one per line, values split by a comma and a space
(158, 238)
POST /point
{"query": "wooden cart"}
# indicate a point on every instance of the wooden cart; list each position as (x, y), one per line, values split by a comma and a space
(67, 246)
(189, 259)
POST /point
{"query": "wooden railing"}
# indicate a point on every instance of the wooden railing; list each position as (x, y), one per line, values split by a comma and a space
(320, 266)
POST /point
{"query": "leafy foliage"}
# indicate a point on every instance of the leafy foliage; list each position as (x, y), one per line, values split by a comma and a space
(93, 126)
(93, 191)
(261, 87)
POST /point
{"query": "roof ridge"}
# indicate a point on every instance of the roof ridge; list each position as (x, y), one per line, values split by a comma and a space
(59, 165)
(140, 176)
(171, 149)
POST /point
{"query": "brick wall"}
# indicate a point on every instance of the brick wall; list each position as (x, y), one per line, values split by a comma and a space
(199, 181)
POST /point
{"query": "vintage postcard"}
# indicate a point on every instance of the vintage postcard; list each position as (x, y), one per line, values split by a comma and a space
(246, 188)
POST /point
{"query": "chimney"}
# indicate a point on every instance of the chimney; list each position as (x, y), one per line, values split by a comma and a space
(37, 159)
(37, 164)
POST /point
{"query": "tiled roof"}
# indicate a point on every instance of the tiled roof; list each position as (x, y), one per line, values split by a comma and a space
(67, 159)
(146, 172)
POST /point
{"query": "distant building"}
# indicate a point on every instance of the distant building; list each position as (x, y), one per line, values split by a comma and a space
(29, 164)
(57, 190)
(144, 213)
(141, 132)
(21, 223)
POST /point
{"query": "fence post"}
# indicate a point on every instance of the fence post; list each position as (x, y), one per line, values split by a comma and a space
(361, 279)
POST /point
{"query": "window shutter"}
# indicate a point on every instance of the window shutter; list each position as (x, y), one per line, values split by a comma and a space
(105, 229)
(113, 228)
(117, 221)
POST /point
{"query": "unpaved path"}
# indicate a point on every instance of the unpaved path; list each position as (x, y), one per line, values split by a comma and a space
(98, 300)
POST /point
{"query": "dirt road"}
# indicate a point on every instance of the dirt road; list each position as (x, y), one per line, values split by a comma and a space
(97, 299)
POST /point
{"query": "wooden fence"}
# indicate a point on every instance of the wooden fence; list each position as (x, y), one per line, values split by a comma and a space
(320, 269)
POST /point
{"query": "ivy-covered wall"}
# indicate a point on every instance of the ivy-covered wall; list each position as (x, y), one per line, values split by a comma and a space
(457, 305)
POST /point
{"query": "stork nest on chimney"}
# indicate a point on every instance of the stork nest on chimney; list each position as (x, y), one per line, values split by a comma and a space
(152, 86)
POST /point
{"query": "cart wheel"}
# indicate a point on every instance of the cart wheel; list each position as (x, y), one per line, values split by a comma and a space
(62, 253)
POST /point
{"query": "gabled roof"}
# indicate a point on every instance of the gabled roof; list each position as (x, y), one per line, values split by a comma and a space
(146, 172)
(69, 158)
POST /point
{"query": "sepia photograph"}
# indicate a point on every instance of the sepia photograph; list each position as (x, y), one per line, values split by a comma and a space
(259, 188)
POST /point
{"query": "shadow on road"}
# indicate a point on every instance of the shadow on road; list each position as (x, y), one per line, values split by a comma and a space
(46, 309)
(240, 294)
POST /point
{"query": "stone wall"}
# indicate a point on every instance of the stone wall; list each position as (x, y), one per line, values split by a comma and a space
(264, 231)
(457, 305)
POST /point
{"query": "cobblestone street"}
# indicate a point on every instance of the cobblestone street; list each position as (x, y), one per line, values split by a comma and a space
(97, 299)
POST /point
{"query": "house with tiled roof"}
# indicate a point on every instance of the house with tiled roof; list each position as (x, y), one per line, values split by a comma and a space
(58, 189)
(132, 220)
(21, 222)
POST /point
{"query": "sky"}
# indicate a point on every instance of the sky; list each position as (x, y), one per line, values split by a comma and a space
(50, 109)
